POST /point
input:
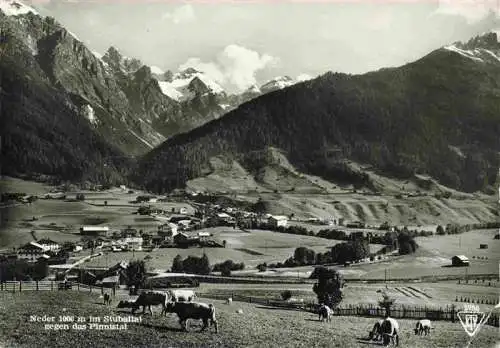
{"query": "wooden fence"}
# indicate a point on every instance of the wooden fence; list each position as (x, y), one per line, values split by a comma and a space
(448, 313)
(45, 285)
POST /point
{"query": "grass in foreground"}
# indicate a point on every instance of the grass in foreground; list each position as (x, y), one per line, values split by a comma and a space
(256, 327)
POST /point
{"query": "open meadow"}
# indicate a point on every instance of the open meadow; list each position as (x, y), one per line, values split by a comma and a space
(251, 247)
(439, 294)
(257, 326)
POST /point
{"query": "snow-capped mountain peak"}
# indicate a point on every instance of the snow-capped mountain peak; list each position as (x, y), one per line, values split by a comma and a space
(279, 82)
(483, 48)
(15, 8)
(253, 89)
(188, 83)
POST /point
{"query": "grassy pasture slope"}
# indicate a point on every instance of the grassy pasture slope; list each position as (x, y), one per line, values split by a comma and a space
(256, 327)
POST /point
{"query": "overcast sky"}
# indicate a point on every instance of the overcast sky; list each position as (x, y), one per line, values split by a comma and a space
(244, 43)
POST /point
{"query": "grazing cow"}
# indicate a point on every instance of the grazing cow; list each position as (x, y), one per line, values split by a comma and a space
(390, 331)
(194, 310)
(422, 326)
(147, 299)
(325, 313)
(376, 333)
(229, 301)
(182, 295)
(107, 299)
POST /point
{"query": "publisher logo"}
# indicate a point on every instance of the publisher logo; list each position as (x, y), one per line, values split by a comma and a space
(472, 319)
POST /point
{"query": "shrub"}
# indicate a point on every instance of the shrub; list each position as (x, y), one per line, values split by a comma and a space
(262, 267)
(286, 295)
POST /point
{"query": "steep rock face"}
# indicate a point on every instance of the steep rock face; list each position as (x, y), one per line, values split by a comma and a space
(57, 55)
(44, 134)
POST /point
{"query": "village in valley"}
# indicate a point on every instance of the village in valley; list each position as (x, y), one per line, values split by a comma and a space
(226, 247)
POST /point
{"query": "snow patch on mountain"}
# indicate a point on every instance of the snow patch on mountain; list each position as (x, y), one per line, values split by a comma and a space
(492, 54)
(277, 83)
(32, 44)
(466, 53)
(169, 90)
(141, 139)
(15, 8)
(89, 114)
(253, 89)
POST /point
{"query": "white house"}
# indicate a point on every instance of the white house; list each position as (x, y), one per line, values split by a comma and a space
(203, 235)
(31, 251)
(278, 221)
(49, 245)
(183, 224)
(224, 218)
(94, 230)
(167, 230)
(132, 243)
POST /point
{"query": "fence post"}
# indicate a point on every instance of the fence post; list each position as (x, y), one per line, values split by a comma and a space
(51, 285)
(37, 285)
(20, 286)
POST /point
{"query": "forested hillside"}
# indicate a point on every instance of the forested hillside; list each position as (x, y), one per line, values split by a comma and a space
(438, 115)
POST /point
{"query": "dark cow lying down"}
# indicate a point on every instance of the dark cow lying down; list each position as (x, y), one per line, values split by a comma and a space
(147, 299)
(194, 310)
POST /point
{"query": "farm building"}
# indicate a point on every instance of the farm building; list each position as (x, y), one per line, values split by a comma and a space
(94, 231)
(132, 243)
(167, 230)
(224, 219)
(109, 282)
(49, 244)
(55, 195)
(31, 251)
(460, 260)
(203, 236)
(278, 220)
(185, 240)
(129, 232)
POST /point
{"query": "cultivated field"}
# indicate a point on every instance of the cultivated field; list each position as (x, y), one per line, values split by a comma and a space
(258, 326)
(440, 294)
(287, 191)
(252, 248)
